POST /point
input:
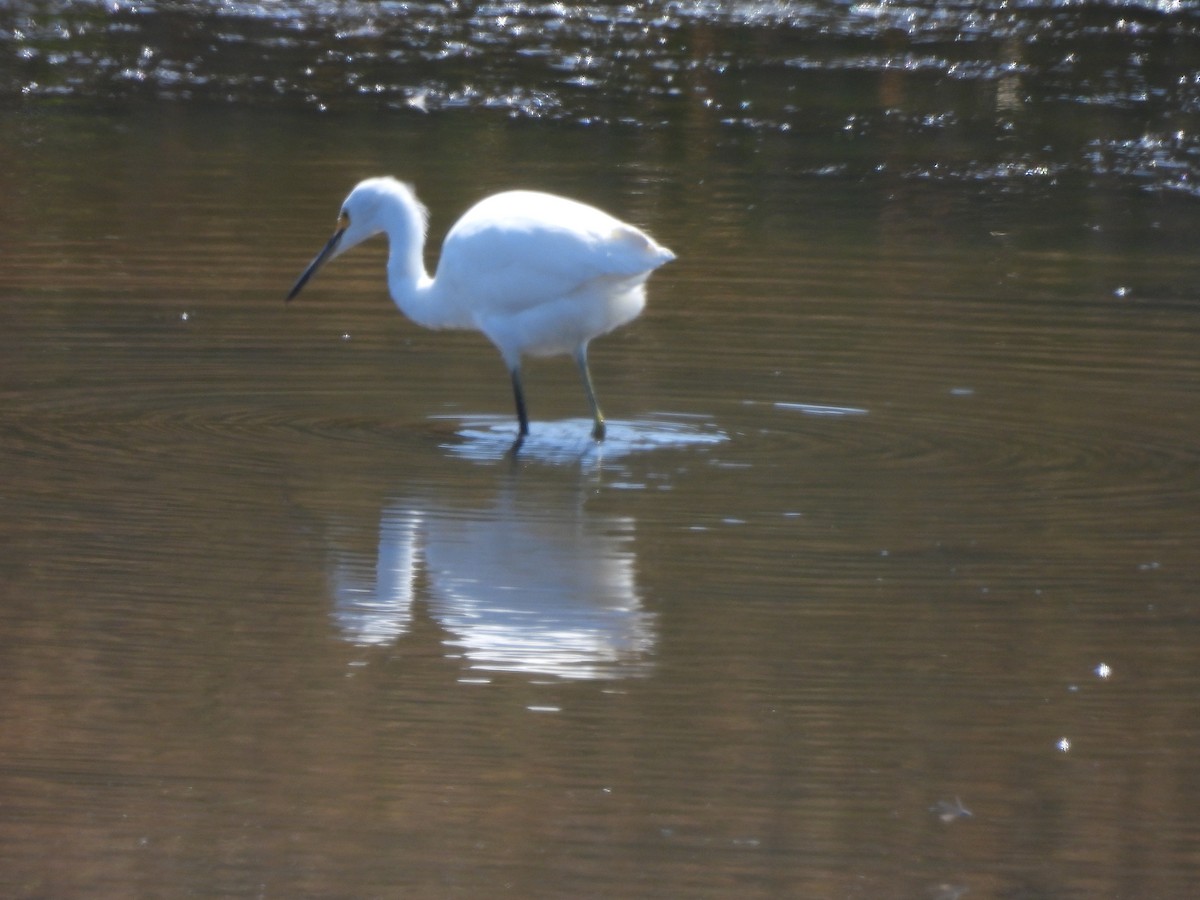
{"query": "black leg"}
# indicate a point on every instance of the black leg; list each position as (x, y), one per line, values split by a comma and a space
(519, 395)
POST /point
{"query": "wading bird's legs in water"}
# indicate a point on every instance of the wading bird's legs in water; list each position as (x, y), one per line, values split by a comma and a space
(586, 375)
(519, 395)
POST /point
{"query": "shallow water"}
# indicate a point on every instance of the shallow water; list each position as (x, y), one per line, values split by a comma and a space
(883, 585)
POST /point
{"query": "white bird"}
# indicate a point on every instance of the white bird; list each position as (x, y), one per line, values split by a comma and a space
(538, 274)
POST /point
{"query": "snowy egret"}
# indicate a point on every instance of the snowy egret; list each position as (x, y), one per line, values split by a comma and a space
(538, 274)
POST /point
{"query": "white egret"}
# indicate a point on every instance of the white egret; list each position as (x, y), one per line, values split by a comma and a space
(536, 273)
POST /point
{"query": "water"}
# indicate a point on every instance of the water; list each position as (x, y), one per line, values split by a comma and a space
(883, 586)
(991, 91)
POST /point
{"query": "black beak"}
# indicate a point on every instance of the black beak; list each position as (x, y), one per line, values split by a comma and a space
(321, 258)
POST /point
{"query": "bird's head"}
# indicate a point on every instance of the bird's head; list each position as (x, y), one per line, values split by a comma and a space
(363, 215)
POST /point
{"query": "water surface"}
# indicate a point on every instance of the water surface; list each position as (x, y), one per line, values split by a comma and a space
(883, 587)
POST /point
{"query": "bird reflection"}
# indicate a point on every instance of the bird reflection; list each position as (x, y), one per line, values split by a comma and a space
(540, 591)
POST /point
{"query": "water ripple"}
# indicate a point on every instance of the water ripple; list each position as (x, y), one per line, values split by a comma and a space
(490, 438)
(1021, 456)
(1032, 87)
(120, 424)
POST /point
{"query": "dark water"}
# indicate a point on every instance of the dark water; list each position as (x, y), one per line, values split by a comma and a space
(995, 92)
(883, 586)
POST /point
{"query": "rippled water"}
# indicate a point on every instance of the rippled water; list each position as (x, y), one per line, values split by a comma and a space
(883, 585)
(989, 91)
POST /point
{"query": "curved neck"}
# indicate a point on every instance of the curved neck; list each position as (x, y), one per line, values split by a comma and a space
(408, 282)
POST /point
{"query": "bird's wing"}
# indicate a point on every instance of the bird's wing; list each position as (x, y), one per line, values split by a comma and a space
(515, 251)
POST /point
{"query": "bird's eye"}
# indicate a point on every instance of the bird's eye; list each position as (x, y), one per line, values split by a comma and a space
(343, 220)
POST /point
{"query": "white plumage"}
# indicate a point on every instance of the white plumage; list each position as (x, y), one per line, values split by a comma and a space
(536, 273)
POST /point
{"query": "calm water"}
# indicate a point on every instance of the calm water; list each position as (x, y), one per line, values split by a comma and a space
(883, 586)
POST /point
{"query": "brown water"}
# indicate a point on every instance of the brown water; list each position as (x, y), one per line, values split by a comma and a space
(883, 586)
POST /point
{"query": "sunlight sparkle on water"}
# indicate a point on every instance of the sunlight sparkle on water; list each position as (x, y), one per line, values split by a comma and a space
(815, 409)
